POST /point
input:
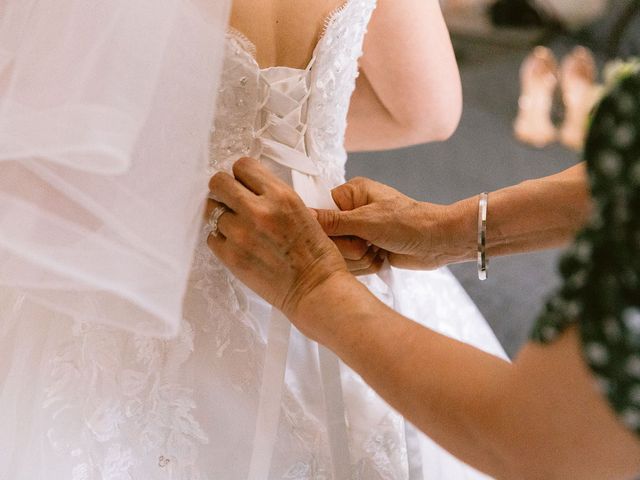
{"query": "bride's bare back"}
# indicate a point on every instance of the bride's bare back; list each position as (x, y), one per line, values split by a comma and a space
(408, 90)
(285, 32)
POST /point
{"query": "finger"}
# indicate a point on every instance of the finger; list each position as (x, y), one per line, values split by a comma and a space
(337, 224)
(353, 194)
(254, 176)
(229, 191)
(363, 263)
(351, 248)
(375, 267)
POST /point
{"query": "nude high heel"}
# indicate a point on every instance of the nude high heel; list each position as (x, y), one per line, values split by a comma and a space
(579, 94)
(538, 80)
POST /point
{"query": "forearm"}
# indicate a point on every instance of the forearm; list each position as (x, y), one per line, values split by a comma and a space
(540, 417)
(534, 215)
(454, 402)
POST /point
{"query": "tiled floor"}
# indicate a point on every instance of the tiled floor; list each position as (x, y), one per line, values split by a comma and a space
(481, 156)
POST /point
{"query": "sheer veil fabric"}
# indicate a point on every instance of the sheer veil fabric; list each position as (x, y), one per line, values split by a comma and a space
(105, 116)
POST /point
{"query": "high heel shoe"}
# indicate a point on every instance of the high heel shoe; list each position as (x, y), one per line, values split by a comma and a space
(538, 80)
(579, 94)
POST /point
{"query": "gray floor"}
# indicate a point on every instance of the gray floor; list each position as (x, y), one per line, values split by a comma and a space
(482, 156)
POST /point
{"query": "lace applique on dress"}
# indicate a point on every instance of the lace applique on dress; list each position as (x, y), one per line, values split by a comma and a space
(115, 399)
(238, 100)
(334, 82)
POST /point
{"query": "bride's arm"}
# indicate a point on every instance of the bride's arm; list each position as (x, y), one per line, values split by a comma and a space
(408, 91)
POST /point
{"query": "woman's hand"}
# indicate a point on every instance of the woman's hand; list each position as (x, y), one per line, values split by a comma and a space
(536, 214)
(376, 219)
(268, 238)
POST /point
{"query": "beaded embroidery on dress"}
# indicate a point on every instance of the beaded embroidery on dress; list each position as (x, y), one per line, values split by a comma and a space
(115, 406)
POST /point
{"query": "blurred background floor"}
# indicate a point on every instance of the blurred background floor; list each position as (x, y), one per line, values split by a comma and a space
(482, 156)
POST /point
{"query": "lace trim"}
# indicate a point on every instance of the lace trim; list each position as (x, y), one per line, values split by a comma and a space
(332, 17)
(241, 38)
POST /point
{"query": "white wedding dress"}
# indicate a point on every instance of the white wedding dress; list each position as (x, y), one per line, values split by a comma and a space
(94, 402)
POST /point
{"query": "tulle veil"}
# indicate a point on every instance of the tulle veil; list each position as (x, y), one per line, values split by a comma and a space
(105, 115)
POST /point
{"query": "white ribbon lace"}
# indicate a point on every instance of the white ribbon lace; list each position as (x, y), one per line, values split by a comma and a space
(282, 140)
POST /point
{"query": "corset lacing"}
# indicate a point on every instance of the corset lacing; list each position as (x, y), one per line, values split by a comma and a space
(281, 123)
(280, 136)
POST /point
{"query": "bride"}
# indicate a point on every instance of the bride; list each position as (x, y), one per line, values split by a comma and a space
(117, 361)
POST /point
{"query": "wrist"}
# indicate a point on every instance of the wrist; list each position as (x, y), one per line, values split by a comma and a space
(453, 238)
(320, 312)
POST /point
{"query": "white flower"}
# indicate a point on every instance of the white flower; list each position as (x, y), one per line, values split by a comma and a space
(633, 366)
(631, 418)
(578, 279)
(549, 333)
(624, 135)
(572, 310)
(631, 318)
(583, 250)
(634, 395)
(597, 353)
(610, 163)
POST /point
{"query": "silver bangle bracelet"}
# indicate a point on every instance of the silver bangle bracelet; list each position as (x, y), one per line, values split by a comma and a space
(483, 262)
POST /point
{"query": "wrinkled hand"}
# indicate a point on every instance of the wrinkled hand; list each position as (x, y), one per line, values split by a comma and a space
(269, 239)
(376, 220)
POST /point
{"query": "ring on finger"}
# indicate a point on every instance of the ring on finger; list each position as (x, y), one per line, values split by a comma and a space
(214, 218)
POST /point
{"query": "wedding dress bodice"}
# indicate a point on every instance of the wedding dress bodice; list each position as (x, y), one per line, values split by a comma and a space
(274, 112)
